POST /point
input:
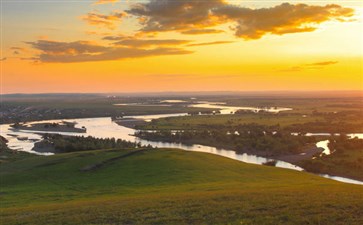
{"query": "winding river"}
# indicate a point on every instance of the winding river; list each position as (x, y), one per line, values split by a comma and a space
(105, 128)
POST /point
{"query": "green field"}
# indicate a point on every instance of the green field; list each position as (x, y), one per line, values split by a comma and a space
(164, 186)
(312, 123)
(299, 104)
(200, 122)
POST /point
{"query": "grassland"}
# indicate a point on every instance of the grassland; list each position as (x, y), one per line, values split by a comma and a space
(300, 104)
(204, 121)
(164, 186)
(351, 122)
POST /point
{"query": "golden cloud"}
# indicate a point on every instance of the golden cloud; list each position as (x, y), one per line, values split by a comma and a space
(109, 21)
(101, 2)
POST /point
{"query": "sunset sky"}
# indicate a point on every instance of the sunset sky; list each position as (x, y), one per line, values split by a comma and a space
(180, 45)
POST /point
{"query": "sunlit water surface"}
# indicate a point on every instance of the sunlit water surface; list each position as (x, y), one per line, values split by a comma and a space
(106, 128)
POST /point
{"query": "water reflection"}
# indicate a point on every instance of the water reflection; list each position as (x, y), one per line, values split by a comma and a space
(219, 106)
(342, 179)
(105, 128)
(224, 109)
(324, 145)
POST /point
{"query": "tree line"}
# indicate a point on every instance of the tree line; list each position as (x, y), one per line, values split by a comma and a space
(64, 144)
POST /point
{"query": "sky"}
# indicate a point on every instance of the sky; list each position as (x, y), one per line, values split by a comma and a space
(180, 45)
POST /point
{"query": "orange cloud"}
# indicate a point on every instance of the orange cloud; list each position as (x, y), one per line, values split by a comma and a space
(109, 21)
(101, 2)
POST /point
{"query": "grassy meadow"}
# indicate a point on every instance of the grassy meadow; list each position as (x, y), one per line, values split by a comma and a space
(203, 121)
(166, 186)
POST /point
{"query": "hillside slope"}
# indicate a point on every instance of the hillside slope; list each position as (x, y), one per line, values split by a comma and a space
(166, 186)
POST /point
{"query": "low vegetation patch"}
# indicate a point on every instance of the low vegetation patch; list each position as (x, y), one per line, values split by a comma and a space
(62, 144)
(346, 159)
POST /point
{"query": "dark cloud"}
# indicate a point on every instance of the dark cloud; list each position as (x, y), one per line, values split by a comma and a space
(109, 21)
(69, 48)
(133, 41)
(176, 15)
(281, 19)
(17, 48)
(185, 16)
(81, 51)
(150, 42)
(116, 38)
(202, 31)
(211, 43)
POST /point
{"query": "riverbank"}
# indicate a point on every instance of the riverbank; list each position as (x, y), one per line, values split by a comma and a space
(55, 143)
(307, 151)
(345, 159)
(130, 122)
(310, 158)
(105, 128)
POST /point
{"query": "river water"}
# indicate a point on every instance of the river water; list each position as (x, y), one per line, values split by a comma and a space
(105, 128)
(218, 106)
(225, 109)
